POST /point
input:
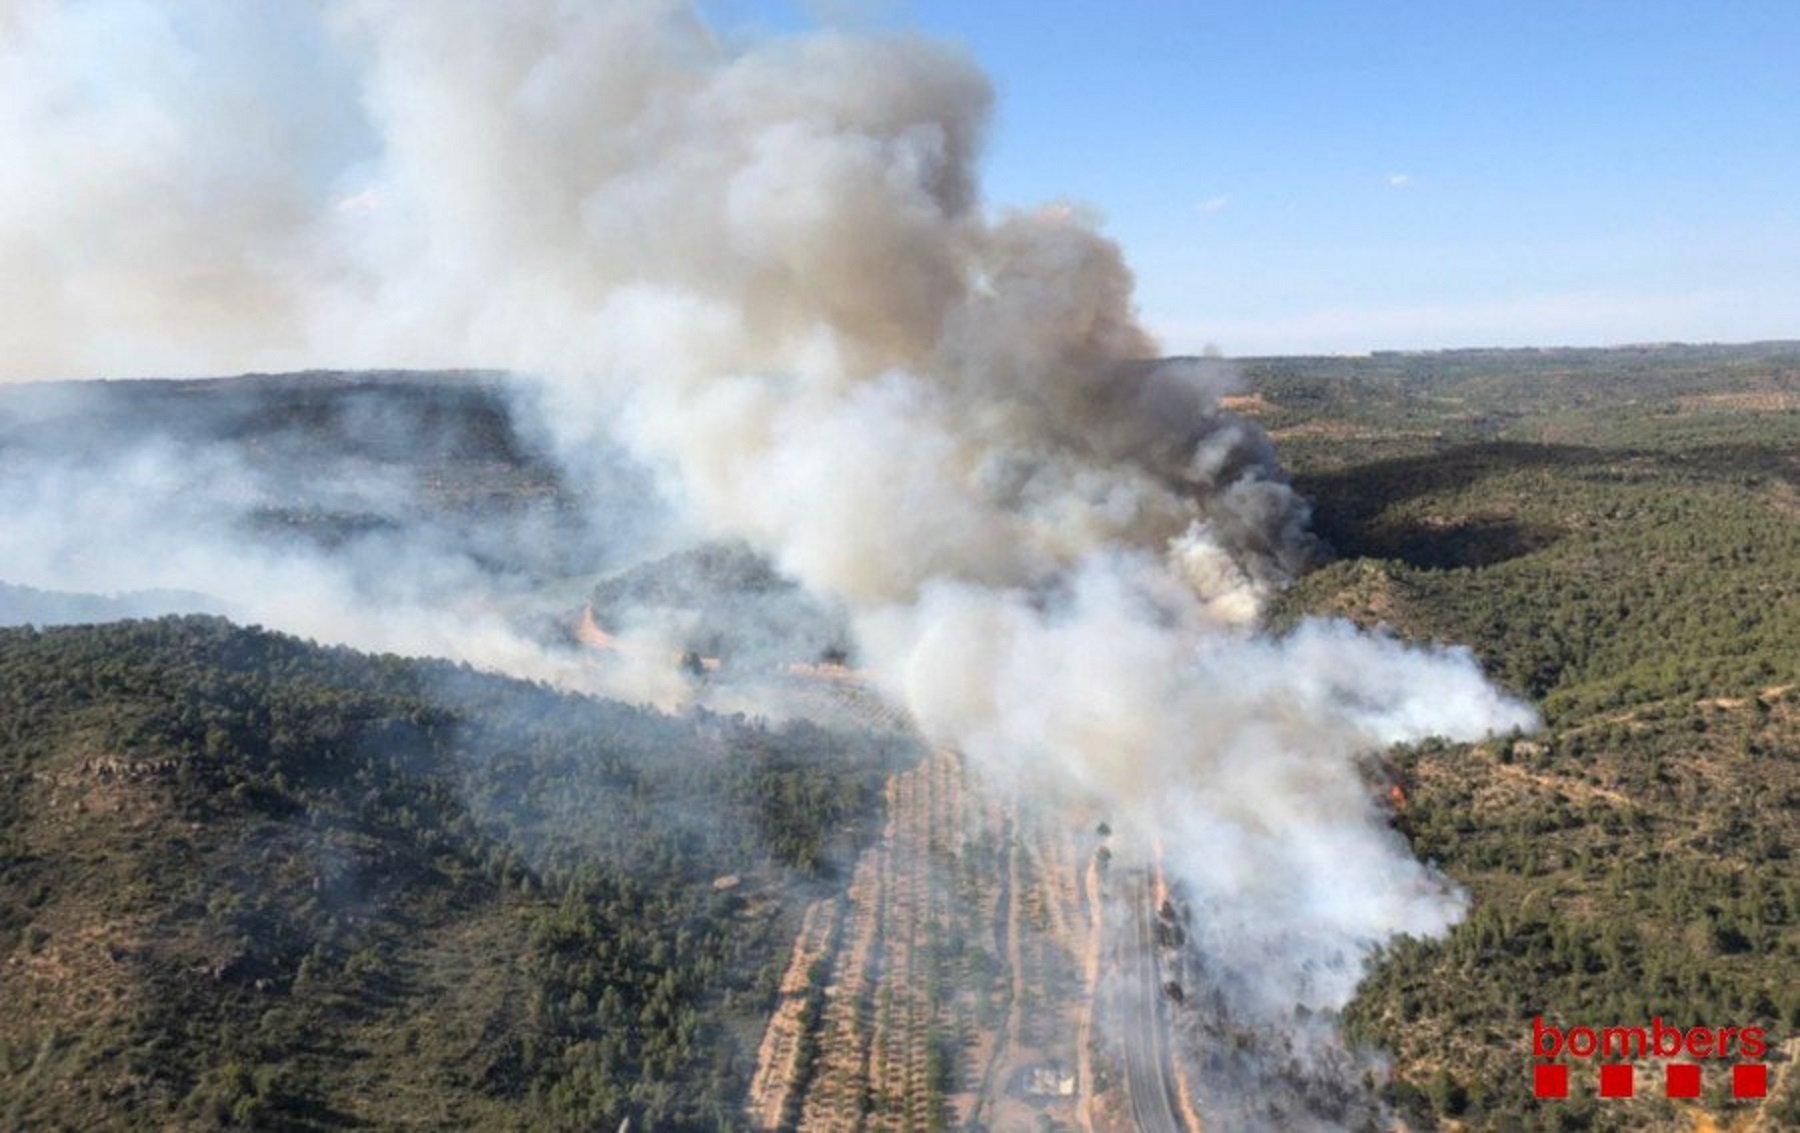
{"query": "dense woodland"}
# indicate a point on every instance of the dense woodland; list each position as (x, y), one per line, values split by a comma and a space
(247, 880)
(1617, 534)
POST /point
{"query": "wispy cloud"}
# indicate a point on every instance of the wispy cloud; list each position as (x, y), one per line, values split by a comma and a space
(1213, 204)
(1399, 180)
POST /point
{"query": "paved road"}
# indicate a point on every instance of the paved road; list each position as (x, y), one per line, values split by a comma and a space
(1147, 1074)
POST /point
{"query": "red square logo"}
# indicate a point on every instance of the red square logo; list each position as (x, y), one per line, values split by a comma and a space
(1615, 1081)
(1681, 1080)
(1550, 1080)
(1749, 1080)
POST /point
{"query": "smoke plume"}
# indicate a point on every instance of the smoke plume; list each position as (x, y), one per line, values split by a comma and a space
(767, 271)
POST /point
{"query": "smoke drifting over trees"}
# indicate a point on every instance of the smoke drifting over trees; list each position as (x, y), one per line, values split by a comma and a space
(766, 272)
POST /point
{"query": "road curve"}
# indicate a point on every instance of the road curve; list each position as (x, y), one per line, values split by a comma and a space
(1147, 1072)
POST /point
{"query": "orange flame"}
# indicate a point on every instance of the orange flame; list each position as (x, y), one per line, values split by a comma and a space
(588, 631)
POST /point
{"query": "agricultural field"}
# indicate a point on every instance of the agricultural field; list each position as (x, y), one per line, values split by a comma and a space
(949, 987)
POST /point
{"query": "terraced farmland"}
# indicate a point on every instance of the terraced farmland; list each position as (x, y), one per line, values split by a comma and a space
(953, 984)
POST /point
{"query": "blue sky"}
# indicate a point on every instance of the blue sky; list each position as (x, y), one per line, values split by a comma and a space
(1291, 176)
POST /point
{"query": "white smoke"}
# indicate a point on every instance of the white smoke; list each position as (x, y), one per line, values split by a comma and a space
(166, 525)
(766, 269)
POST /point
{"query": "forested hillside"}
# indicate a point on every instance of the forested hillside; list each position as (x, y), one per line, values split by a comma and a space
(248, 880)
(245, 880)
(1617, 534)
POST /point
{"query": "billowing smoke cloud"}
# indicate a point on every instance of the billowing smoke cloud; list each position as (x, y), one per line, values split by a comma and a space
(172, 526)
(767, 271)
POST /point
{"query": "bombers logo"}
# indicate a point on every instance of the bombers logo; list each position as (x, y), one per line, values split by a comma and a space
(1616, 1048)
